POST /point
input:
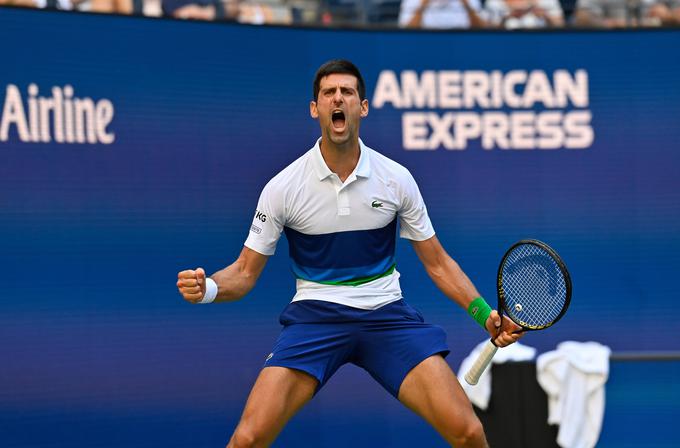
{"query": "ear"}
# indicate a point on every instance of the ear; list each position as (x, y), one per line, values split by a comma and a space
(313, 111)
(364, 108)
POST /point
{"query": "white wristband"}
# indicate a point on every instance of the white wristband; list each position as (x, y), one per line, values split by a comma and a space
(210, 291)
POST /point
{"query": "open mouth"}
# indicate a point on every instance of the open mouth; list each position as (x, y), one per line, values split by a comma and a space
(338, 119)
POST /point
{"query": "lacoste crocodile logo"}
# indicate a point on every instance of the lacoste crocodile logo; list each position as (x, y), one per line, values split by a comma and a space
(376, 204)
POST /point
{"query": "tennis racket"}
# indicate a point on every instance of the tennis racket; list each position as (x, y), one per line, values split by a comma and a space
(534, 291)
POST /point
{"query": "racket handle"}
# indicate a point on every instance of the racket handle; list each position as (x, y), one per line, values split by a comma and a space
(480, 365)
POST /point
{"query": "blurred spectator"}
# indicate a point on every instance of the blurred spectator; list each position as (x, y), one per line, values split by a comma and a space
(55, 4)
(665, 13)
(258, 12)
(111, 6)
(192, 9)
(104, 6)
(611, 13)
(248, 11)
(340, 12)
(513, 14)
(305, 11)
(383, 12)
(26, 3)
(440, 14)
(150, 8)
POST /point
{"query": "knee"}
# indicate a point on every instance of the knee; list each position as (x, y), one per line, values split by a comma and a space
(246, 437)
(471, 435)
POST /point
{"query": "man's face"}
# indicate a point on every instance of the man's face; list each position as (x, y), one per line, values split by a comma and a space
(522, 6)
(339, 108)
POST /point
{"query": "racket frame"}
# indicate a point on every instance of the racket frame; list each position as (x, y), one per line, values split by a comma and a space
(490, 349)
(501, 292)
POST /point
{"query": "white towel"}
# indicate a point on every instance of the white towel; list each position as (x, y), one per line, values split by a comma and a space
(480, 394)
(574, 376)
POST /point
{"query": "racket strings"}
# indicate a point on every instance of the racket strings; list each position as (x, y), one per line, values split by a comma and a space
(534, 287)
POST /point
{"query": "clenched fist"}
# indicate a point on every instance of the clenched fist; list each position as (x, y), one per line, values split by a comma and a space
(191, 284)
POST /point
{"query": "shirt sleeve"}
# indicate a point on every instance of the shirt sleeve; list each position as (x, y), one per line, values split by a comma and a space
(414, 221)
(476, 5)
(268, 222)
(407, 10)
(551, 7)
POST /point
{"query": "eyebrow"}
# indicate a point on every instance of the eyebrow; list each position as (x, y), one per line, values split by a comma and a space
(326, 89)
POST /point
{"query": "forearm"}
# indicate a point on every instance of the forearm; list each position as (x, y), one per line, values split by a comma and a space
(452, 281)
(475, 20)
(417, 19)
(237, 279)
(445, 272)
(233, 282)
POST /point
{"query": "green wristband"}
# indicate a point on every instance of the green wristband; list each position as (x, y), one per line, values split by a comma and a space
(479, 310)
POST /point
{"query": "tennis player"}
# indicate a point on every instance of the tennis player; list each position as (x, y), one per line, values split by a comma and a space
(340, 206)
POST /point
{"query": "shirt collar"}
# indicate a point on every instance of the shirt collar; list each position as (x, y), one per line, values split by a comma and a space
(363, 168)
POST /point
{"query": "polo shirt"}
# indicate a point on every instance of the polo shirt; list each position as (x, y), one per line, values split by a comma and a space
(438, 13)
(341, 235)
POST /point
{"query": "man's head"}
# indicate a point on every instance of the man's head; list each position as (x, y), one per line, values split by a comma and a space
(339, 66)
(339, 103)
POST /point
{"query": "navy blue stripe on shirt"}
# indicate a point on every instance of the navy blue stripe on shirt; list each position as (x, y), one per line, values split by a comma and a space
(342, 256)
(319, 311)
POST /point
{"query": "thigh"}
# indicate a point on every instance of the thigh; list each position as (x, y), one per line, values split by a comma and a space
(277, 395)
(432, 391)
(317, 349)
(390, 350)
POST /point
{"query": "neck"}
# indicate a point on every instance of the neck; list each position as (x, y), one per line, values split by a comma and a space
(340, 159)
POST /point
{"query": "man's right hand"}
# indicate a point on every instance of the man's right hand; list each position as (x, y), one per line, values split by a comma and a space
(191, 284)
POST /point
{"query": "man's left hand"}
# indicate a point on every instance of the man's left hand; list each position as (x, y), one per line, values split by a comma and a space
(502, 335)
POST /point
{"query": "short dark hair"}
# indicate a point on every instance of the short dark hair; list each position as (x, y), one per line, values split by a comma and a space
(339, 66)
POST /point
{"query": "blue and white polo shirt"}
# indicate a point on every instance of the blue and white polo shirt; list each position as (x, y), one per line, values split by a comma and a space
(341, 236)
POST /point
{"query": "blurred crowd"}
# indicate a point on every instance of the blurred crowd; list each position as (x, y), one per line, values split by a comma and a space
(432, 14)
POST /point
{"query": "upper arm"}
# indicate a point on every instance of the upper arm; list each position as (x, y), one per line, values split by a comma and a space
(251, 263)
(268, 220)
(414, 222)
(430, 252)
(445, 272)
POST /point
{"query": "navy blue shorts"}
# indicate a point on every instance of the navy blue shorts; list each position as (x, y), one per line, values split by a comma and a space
(318, 337)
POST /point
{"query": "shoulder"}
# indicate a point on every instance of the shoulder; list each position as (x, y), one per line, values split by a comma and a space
(291, 176)
(383, 166)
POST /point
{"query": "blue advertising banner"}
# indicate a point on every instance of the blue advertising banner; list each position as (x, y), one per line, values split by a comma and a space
(135, 148)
